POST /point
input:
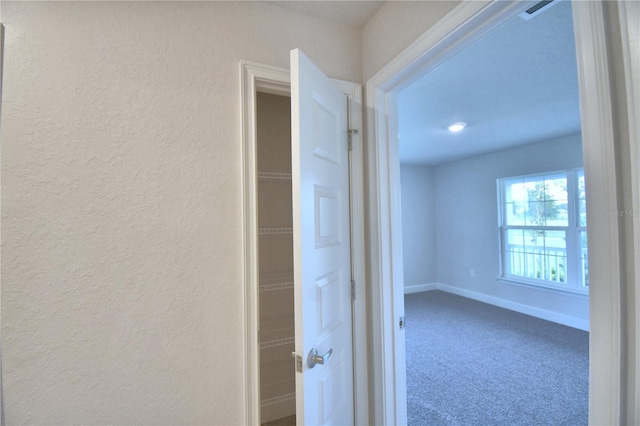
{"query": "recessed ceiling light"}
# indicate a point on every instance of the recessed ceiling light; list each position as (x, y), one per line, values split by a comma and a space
(456, 127)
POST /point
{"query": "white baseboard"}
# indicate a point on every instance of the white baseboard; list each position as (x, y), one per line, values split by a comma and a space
(544, 314)
(418, 288)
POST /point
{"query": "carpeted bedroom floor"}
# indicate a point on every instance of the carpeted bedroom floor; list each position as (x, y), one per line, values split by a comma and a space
(469, 363)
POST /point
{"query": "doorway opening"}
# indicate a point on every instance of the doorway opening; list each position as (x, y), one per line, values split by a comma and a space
(268, 260)
(496, 212)
(275, 263)
(467, 23)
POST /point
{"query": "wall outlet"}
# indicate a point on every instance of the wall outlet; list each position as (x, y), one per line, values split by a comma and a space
(472, 273)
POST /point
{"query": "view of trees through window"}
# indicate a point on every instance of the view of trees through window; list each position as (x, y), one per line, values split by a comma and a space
(543, 228)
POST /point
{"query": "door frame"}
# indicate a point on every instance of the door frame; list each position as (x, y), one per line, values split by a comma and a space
(609, 360)
(256, 77)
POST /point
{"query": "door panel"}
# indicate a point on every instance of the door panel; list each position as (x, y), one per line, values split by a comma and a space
(322, 275)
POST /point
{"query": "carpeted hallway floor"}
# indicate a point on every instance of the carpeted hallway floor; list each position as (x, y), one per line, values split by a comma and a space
(469, 363)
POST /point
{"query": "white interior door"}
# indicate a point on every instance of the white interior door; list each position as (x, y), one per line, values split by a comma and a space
(321, 232)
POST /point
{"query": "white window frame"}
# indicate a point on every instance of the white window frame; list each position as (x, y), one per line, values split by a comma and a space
(573, 268)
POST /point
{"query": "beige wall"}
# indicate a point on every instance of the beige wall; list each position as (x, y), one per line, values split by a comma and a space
(121, 204)
(394, 27)
(419, 248)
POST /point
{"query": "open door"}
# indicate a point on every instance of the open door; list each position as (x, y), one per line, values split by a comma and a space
(321, 232)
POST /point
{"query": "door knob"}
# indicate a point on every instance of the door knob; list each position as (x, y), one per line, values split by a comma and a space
(314, 358)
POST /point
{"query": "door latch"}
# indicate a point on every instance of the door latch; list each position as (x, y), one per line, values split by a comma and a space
(350, 134)
(298, 362)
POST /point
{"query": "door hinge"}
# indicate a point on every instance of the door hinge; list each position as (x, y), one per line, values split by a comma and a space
(351, 132)
(401, 323)
(298, 362)
(353, 290)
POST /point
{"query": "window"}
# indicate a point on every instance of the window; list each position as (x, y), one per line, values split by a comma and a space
(543, 230)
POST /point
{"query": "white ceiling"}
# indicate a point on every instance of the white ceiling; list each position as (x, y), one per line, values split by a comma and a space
(355, 13)
(516, 85)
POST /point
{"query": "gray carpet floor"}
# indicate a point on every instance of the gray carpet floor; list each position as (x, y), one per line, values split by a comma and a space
(469, 363)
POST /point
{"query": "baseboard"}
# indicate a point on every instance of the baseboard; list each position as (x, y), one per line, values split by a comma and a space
(418, 288)
(544, 314)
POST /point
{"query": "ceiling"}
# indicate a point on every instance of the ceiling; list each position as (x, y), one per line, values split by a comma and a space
(516, 85)
(355, 13)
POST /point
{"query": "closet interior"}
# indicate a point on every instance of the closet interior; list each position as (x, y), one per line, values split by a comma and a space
(275, 257)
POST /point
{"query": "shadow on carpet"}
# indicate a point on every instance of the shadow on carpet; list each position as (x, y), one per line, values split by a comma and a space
(469, 363)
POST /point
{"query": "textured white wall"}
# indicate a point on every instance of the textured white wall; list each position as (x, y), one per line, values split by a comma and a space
(121, 206)
(467, 220)
(394, 27)
(418, 225)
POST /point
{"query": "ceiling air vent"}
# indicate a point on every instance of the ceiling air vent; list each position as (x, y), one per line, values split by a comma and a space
(537, 9)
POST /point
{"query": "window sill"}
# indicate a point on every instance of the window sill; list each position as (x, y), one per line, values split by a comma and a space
(544, 287)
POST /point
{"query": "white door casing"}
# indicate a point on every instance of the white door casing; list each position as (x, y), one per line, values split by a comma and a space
(1, 80)
(256, 77)
(322, 272)
(464, 24)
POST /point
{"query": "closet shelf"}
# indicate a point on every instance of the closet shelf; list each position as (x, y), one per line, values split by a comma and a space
(276, 277)
(276, 335)
(280, 363)
(278, 399)
(276, 286)
(274, 176)
(277, 342)
(277, 317)
(271, 231)
(277, 328)
(278, 388)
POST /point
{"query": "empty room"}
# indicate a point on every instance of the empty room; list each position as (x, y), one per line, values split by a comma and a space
(494, 230)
